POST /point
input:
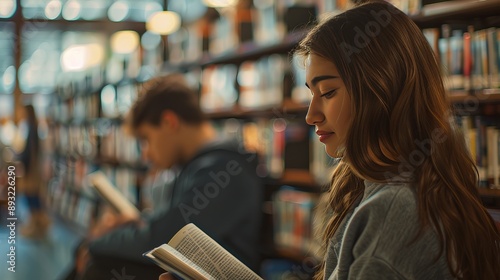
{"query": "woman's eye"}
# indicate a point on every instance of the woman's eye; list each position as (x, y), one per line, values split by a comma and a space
(329, 94)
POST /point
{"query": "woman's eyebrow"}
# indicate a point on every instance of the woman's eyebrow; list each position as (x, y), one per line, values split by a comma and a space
(318, 79)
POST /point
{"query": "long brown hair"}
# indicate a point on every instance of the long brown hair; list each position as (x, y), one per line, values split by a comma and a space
(401, 130)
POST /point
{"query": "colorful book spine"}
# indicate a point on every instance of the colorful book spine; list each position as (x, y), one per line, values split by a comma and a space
(293, 216)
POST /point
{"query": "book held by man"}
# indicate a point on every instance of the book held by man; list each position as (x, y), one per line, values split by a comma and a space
(113, 196)
(192, 254)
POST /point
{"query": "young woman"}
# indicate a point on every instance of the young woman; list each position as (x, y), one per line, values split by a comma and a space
(404, 202)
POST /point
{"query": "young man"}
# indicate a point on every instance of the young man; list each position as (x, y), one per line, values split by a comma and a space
(216, 188)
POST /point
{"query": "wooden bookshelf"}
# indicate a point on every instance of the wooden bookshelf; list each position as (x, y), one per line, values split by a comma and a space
(436, 14)
(489, 193)
(244, 52)
(288, 107)
(480, 96)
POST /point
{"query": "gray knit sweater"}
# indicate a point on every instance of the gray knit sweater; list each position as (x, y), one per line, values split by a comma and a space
(375, 239)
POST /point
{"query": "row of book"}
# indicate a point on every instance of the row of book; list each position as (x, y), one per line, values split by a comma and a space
(482, 137)
(76, 109)
(103, 140)
(282, 144)
(470, 58)
(79, 83)
(265, 137)
(250, 85)
(116, 100)
(112, 101)
(72, 206)
(118, 145)
(263, 23)
(67, 194)
(75, 140)
(260, 22)
(294, 214)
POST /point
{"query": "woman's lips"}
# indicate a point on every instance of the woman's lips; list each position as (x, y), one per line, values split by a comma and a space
(324, 135)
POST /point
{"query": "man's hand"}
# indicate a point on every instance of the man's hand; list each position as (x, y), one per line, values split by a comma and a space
(108, 222)
(82, 258)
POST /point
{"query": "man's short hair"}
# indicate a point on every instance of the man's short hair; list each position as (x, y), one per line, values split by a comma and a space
(163, 93)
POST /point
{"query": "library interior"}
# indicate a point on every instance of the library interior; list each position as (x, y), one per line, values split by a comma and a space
(72, 71)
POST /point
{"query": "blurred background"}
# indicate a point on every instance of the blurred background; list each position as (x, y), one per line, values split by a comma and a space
(70, 70)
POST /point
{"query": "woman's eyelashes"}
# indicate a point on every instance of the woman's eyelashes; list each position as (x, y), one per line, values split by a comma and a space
(329, 94)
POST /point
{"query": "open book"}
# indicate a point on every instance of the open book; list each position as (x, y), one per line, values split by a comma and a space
(113, 196)
(192, 254)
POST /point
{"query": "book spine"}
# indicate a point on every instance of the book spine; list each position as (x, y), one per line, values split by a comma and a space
(456, 62)
(494, 79)
(467, 59)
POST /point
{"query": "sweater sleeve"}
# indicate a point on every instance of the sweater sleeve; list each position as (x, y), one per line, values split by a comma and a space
(371, 267)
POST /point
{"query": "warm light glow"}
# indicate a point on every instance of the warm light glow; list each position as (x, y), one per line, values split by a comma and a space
(9, 78)
(95, 55)
(164, 23)
(8, 130)
(118, 11)
(81, 57)
(7, 8)
(74, 58)
(219, 3)
(124, 42)
(71, 10)
(53, 9)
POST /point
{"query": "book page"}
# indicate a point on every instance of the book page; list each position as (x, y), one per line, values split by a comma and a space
(169, 259)
(113, 196)
(202, 250)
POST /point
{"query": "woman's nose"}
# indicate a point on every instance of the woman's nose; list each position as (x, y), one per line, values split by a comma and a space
(314, 113)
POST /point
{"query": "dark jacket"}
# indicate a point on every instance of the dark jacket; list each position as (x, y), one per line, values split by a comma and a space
(217, 190)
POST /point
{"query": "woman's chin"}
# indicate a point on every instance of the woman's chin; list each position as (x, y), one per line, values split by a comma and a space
(332, 152)
(335, 151)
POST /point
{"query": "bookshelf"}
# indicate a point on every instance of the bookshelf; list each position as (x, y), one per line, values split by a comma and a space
(85, 137)
(453, 11)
